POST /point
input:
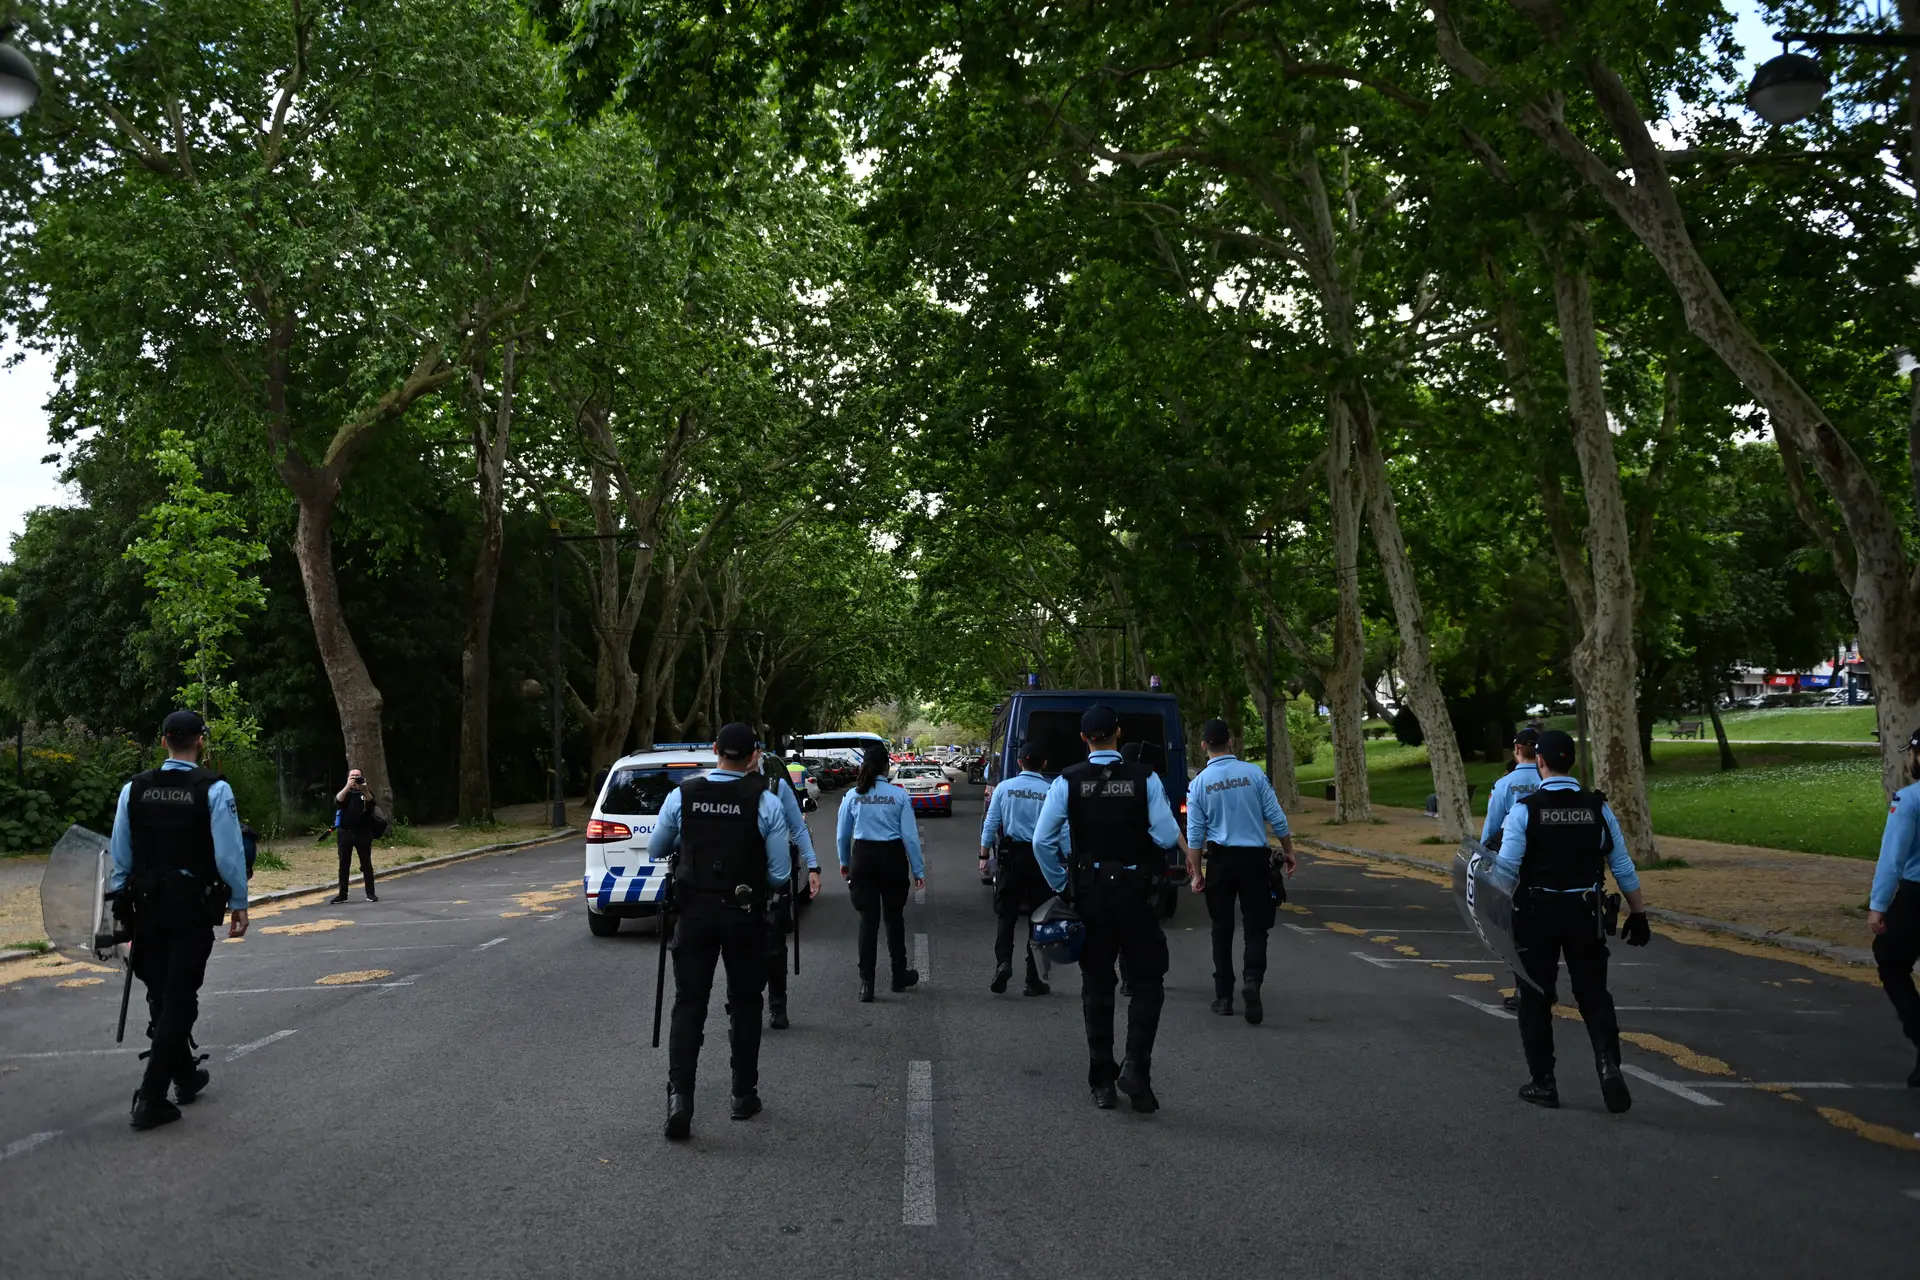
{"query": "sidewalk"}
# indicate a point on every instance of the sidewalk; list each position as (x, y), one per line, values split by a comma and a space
(1804, 895)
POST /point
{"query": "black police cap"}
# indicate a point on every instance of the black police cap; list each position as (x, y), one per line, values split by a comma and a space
(1913, 742)
(1527, 738)
(1100, 722)
(1215, 732)
(1557, 749)
(182, 724)
(737, 740)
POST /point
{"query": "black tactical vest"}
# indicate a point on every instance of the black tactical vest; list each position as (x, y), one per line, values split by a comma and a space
(721, 847)
(170, 823)
(1107, 818)
(1567, 840)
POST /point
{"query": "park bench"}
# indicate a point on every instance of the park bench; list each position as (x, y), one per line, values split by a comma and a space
(1685, 729)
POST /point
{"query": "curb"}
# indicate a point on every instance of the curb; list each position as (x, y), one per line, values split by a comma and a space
(1791, 942)
(280, 895)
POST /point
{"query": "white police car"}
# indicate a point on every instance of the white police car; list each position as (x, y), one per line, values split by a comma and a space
(621, 881)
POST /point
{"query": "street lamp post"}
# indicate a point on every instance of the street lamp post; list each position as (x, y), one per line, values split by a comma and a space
(556, 676)
(1790, 86)
(19, 82)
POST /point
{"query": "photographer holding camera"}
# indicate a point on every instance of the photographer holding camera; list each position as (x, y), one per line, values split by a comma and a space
(354, 825)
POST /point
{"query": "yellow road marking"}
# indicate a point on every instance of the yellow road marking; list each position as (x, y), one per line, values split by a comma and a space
(352, 976)
(50, 966)
(80, 982)
(1347, 929)
(310, 926)
(1384, 937)
(1681, 1055)
(1296, 908)
(543, 899)
(1406, 950)
(1871, 1132)
(508, 915)
(1474, 977)
(1509, 991)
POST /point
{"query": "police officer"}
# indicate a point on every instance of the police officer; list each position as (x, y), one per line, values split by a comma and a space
(1560, 842)
(1230, 809)
(878, 842)
(731, 837)
(1018, 886)
(179, 862)
(1893, 906)
(1100, 836)
(1515, 785)
(784, 906)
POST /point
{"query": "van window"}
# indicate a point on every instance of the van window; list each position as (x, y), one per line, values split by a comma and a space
(643, 790)
(1060, 729)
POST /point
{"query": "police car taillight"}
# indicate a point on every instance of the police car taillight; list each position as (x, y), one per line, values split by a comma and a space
(599, 831)
(946, 786)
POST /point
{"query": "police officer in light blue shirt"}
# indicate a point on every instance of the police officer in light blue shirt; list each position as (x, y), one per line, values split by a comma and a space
(1519, 783)
(728, 831)
(1893, 905)
(179, 860)
(786, 906)
(1018, 886)
(878, 842)
(1556, 845)
(1230, 809)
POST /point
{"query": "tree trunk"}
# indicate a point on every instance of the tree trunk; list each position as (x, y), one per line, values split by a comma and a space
(1605, 661)
(1727, 763)
(1416, 655)
(1286, 783)
(476, 651)
(355, 697)
(1347, 710)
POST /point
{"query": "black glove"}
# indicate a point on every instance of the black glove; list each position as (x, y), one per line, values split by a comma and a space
(1636, 932)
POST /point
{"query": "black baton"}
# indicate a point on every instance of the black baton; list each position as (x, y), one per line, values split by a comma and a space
(126, 993)
(666, 929)
(793, 907)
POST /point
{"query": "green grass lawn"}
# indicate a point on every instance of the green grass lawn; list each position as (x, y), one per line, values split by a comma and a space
(1814, 797)
(1786, 724)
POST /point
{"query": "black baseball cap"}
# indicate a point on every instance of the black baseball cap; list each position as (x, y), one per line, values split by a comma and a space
(1913, 742)
(182, 724)
(737, 740)
(1100, 722)
(1215, 732)
(1527, 738)
(1557, 749)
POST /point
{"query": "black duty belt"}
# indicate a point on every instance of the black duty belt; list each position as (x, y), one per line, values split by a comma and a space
(1214, 847)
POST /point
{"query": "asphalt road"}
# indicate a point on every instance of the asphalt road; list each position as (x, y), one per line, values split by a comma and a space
(489, 1106)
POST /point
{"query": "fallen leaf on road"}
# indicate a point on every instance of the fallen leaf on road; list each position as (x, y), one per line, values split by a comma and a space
(80, 982)
(1871, 1132)
(1347, 929)
(1474, 977)
(352, 976)
(1682, 1056)
(309, 926)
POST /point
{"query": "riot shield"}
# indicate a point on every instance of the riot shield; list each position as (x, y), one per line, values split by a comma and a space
(1485, 898)
(72, 895)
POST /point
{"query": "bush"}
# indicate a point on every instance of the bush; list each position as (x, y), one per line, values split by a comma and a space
(1406, 728)
(70, 776)
(1303, 733)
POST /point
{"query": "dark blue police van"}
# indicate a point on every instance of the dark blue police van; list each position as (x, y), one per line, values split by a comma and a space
(1152, 720)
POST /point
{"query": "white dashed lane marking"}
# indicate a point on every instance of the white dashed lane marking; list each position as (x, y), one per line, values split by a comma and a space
(496, 942)
(923, 957)
(261, 1043)
(1673, 1087)
(21, 1146)
(917, 1181)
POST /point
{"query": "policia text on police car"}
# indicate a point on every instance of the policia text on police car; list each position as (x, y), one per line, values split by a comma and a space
(179, 864)
(728, 838)
(1559, 842)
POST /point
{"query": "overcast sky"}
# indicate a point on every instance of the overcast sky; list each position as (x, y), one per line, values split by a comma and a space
(26, 482)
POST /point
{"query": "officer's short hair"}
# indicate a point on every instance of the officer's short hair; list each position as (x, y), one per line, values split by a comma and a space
(1557, 749)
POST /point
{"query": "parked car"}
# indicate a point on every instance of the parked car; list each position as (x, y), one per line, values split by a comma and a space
(831, 772)
(927, 788)
(622, 882)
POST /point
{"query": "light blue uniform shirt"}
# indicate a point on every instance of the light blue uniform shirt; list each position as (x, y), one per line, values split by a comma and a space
(1232, 803)
(1514, 787)
(1053, 844)
(1513, 839)
(1015, 808)
(773, 829)
(884, 813)
(229, 846)
(1899, 848)
(797, 832)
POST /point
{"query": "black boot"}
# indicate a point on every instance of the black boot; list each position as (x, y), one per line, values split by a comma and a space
(150, 1110)
(904, 978)
(866, 991)
(777, 1012)
(1541, 1092)
(1613, 1085)
(679, 1125)
(1104, 1097)
(189, 1086)
(746, 1105)
(340, 897)
(1035, 987)
(1250, 996)
(1134, 1084)
(1002, 975)
(1510, 1003)
(1223, 1006)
